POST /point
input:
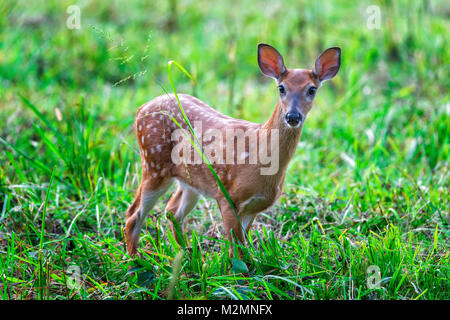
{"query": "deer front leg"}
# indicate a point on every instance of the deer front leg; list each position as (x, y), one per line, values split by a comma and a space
(233, 230)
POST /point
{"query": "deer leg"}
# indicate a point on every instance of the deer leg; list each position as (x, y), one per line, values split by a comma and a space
(136, 203)
(147, 195)
(247, 221)
(181, 203)
(233, 230)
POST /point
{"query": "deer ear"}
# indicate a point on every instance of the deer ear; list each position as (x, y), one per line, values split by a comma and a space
(328, 63)
(270, 61)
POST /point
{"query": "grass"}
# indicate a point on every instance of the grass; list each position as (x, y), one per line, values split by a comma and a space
(368, 186)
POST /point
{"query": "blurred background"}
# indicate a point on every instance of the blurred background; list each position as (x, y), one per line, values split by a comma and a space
(374, 149)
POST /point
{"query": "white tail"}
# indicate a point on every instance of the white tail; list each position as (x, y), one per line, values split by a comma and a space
(250, 159)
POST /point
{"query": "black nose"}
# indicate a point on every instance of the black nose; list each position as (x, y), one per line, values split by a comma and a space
(293, 118)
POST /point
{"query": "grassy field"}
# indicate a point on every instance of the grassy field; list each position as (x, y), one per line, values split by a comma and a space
(368, 188)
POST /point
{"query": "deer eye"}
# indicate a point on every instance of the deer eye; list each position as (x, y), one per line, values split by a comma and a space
(282, 90)
(312, 91)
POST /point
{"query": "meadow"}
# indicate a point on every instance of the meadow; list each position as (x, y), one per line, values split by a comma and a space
(366, 195)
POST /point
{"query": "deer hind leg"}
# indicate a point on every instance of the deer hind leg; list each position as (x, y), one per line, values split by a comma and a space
(180, 204)
(147, 195)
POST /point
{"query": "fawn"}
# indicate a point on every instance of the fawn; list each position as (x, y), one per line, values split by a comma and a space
(250, 191)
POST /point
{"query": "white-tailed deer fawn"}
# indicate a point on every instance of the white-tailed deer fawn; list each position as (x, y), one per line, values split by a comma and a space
(250, 191)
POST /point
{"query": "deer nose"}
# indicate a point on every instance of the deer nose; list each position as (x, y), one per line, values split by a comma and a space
(293, 118)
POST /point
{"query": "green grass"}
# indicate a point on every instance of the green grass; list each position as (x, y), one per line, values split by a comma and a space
(368, 186)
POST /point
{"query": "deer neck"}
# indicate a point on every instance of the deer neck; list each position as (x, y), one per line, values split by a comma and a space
(288, 137)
